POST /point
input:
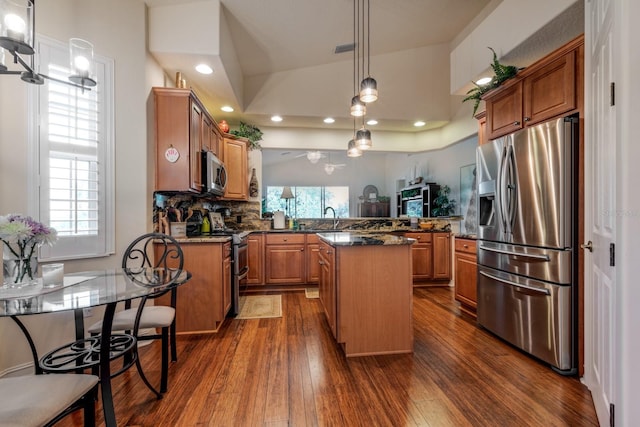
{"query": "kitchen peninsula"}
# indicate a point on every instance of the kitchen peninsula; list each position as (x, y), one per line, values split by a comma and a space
(366, 291)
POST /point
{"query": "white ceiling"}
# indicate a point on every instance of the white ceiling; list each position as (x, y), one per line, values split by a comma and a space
(285, 53)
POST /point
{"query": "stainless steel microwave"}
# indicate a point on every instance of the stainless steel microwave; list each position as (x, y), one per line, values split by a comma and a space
(214, 174)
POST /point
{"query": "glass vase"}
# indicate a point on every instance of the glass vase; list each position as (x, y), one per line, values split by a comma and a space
(19, 271)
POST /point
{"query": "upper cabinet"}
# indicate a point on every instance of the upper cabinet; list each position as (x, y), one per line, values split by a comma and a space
(182, 128)
(548, 88)
(233, 152)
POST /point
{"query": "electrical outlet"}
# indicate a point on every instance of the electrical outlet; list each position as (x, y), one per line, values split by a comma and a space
(87, 312)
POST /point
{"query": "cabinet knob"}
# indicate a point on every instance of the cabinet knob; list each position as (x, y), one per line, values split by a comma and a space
(465, 246)
(284, 239)
(321, 262)
(516, 123)
(526, 119)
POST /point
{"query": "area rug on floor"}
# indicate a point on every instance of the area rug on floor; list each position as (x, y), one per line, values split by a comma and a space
(260, 306)
(311, 293)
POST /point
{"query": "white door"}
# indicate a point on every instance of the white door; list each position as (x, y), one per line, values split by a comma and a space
(600, 209)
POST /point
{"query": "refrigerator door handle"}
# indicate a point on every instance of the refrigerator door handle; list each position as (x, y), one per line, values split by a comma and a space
(501, 190)
(505, 252)
(518, 285)
(511, 190)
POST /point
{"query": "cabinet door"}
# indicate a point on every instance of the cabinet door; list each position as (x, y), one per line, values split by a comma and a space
(195, 147)
(327, 285)
(466, 280)
(441, 256)
(235, 160)
(255, 259)
(285, 264)
(504, 111)
(313, 265)
(551, 90)
(482, 127)
(421, 255)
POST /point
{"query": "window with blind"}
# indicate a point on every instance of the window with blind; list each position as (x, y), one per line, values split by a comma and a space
(75, 157)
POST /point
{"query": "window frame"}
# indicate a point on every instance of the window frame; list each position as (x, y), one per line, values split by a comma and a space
(323, 201)
(67, 248)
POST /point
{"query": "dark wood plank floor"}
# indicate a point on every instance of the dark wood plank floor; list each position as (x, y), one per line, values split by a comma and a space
(290, 372)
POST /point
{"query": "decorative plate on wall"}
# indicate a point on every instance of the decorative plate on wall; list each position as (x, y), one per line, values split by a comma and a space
(370, 192)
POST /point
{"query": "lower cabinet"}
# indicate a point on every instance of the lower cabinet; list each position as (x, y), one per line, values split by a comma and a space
(466, 275)
(312, 250)
(285, 258)
(204, 301)
(431, 256)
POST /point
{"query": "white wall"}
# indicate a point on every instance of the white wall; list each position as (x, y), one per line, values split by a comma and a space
(135, 73)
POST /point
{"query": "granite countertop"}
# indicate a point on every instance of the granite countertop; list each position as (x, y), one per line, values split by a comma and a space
(345, 238)
(204, 239)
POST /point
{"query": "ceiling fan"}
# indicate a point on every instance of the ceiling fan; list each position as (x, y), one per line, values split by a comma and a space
(330, 167)
(313, 156)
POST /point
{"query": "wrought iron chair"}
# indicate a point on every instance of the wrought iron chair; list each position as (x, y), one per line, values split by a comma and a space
(43, 400)
(162, 252)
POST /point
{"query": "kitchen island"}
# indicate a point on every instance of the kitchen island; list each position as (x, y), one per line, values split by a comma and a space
(366, 290)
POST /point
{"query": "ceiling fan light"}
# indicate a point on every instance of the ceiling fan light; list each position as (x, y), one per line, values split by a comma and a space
(363, 139)
(328, 168)
(352, 150)
(314, 156)
(358, 108)
(368, 90)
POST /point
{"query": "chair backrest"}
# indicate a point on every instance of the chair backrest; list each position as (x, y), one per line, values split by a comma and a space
(154, 250)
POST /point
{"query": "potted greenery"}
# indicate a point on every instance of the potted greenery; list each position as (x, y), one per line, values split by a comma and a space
(443, 206)
(502, 73)
(251, 132)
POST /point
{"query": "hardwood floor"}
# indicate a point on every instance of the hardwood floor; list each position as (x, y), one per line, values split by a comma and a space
(289, 372)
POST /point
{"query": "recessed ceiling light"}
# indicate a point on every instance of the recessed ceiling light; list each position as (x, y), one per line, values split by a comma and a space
(372, 122)
(204, 69)
(227, 109)
(276, 118)
(329, 120)
(419, 123)
(483, 81)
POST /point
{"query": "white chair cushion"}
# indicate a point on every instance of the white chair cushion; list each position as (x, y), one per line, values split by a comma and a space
(152, 317)
(33, 400)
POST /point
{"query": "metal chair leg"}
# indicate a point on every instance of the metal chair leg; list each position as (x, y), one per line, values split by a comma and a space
(174, 351)
(165, 360)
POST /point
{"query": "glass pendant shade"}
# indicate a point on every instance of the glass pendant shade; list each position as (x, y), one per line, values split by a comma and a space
(82, 65)
(352, 150)
(368, 90)
(358, 109)
(16, 26)
(363, 139)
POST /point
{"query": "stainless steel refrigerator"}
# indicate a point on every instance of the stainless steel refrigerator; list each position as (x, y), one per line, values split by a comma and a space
(527, 238)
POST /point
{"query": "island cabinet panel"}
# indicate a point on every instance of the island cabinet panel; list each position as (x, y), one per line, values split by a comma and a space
(374, 299)
(285, 259)
(255, 259)
(442, 256)
(204, 301)
(466, 275)
(422, 254)
(327, 284)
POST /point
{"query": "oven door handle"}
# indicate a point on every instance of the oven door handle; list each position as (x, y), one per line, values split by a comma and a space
(243, 273)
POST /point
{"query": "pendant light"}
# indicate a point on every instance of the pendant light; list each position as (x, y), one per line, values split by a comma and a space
(363, 139)
(352, 148)
(368, 86)
(358, 108)
(17, 39)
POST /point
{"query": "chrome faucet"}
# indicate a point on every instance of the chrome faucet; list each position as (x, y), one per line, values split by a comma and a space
(335, 221)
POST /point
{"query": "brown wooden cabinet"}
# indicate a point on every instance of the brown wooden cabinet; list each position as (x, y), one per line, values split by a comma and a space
(548, 88)
(182, 126)
(431, 256)
(255, 259)
(285, 258)
(374, 209)
(312, 251)
(466, 275)
(442, 256)
(205, 300)
(327, 283)
(234, 157)
(482, 127)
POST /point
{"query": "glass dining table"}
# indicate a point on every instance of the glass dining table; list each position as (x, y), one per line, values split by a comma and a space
(86, 290)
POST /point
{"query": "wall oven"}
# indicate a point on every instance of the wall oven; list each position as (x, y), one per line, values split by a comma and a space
(240, 268)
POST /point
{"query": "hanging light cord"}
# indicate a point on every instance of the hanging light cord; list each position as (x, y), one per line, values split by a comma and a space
(368, 39)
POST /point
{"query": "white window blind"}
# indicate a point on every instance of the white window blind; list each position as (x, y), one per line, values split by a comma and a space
(75, 157)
